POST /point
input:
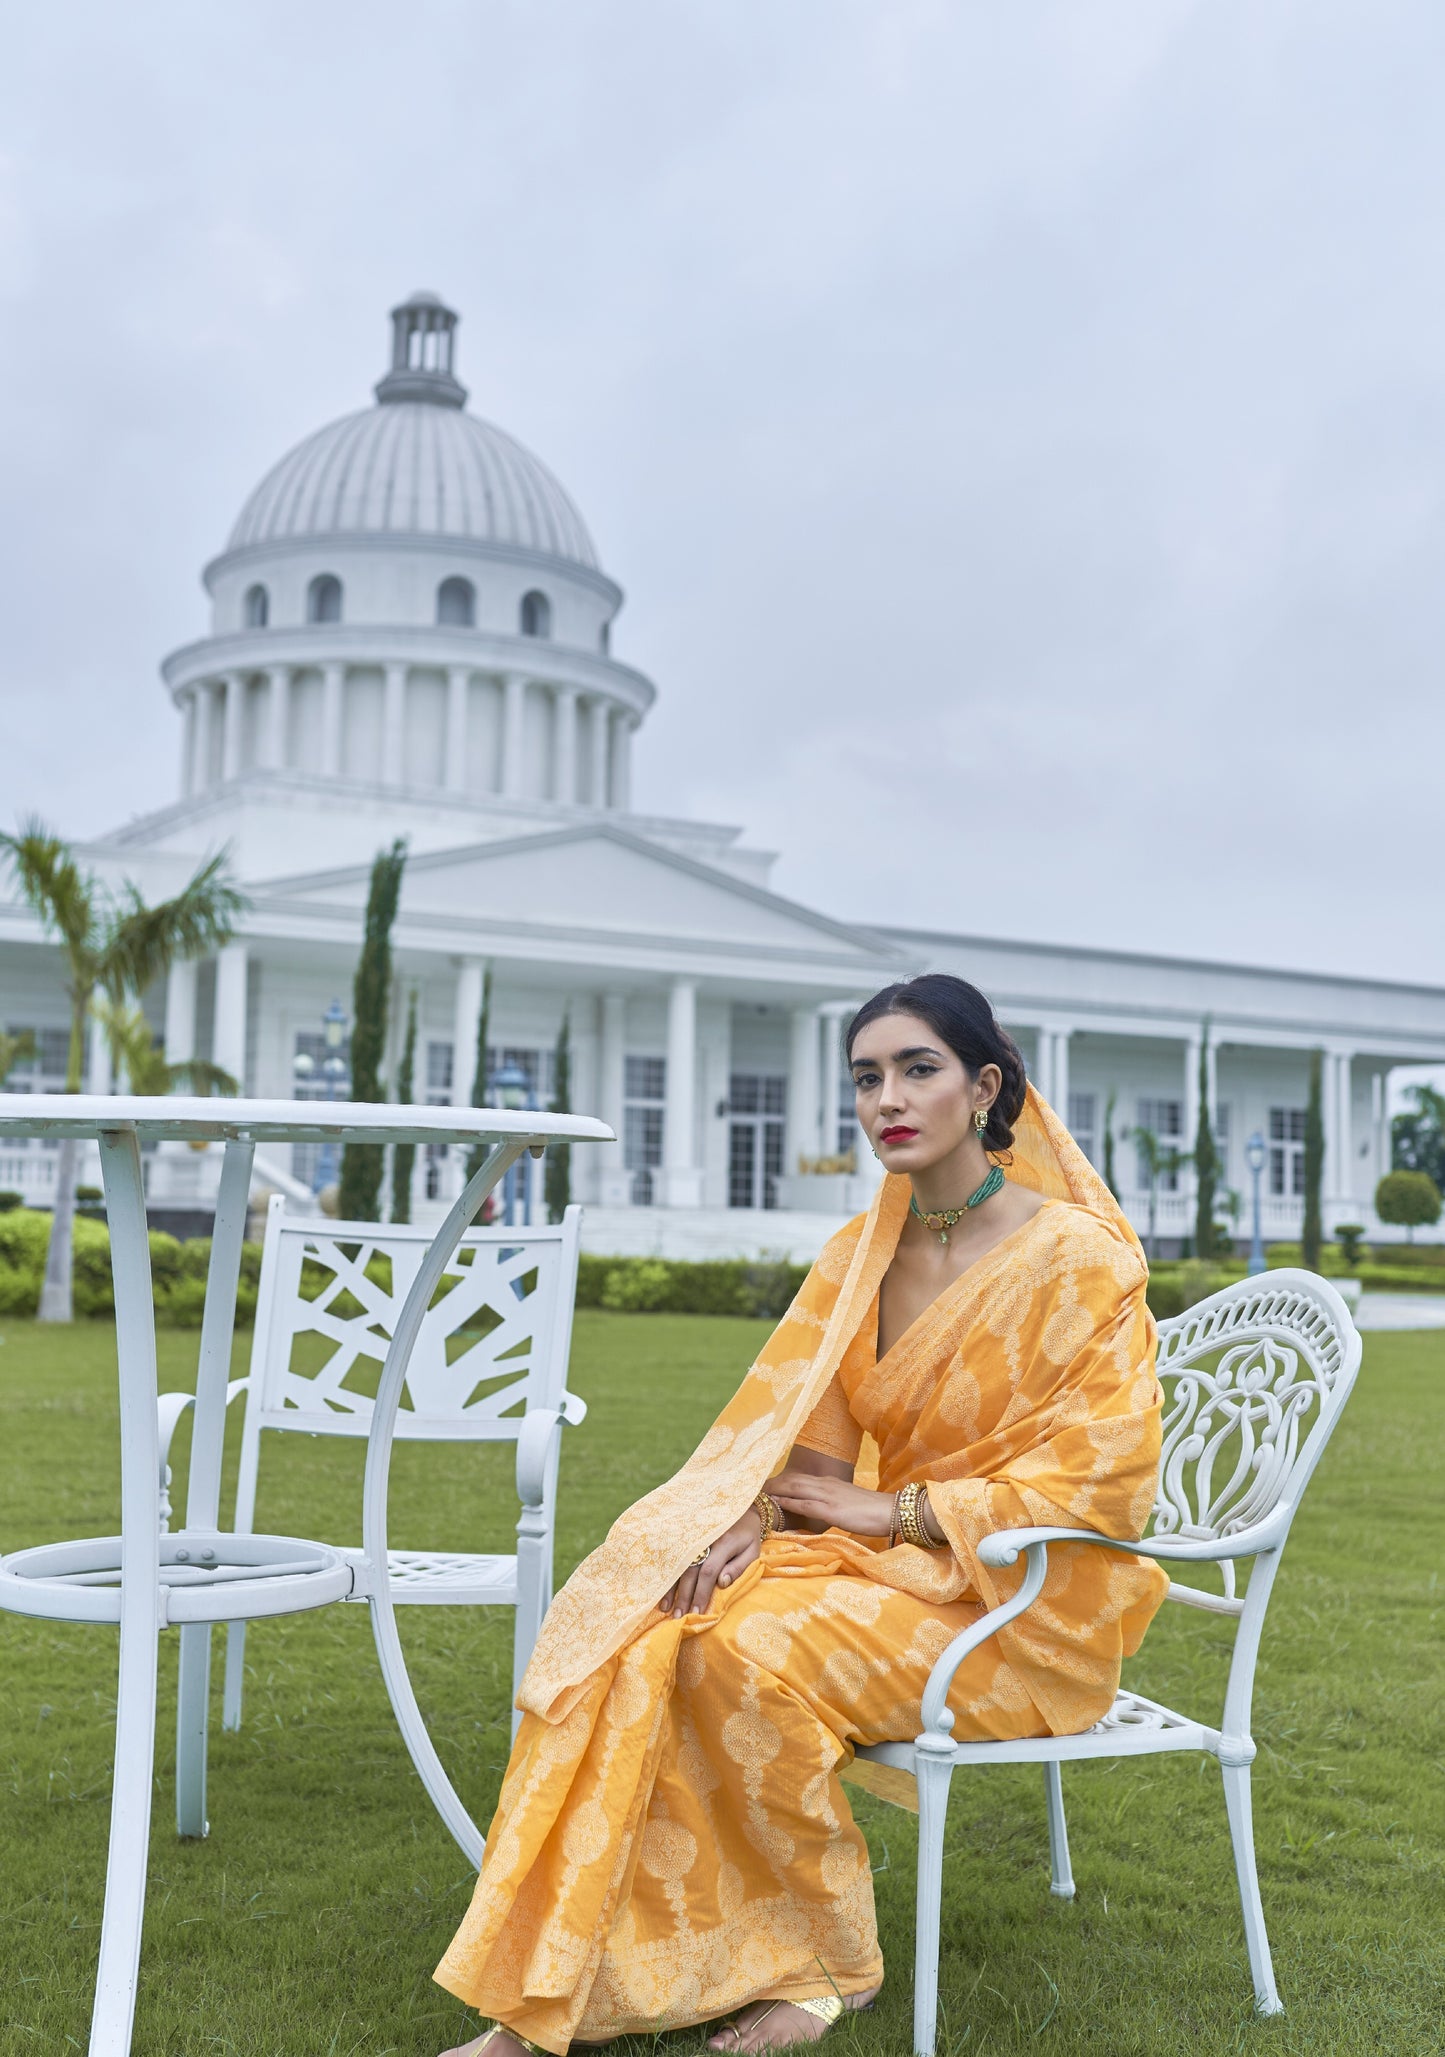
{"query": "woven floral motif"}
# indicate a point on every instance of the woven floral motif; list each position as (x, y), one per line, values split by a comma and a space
(672, 1838)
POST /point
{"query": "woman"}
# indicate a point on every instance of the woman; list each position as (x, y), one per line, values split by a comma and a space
(672, 1843)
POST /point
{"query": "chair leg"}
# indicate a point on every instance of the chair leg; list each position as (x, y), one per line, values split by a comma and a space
(235, 1675)
(934, 1775)
(1241, 1830)
(193, 1709)
(1061, 1875)
(534, 1545)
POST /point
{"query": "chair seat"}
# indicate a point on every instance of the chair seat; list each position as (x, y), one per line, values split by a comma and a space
(449, 1578)
(1133, 1726)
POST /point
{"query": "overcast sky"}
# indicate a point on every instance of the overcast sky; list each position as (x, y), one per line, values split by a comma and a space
(1020, 431)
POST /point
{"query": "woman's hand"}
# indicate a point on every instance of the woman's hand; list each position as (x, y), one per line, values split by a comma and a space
(734, 1550)
(813, 1497)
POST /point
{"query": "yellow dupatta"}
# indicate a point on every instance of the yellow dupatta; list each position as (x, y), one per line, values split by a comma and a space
(1075, 1440)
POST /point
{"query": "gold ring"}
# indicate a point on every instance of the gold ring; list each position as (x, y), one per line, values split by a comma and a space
(704, 1557)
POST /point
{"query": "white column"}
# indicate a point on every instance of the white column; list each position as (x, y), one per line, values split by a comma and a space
(802, 1091)
(181, 1012)
(190, 731)
(467, 1014)
(97, 1060)
(1060, 1073)
(514, 732)
(1339, 1152)
(234, 688)
(228, 1044)
(564, 782)
(455, 773)
(333, 680)
(619, 781)
(1193, 1048)
(393, 727)
(614, 1187)
(278, 716)
(1041, 1074)
(597, 738)
(830, 1076)
(681, 1174)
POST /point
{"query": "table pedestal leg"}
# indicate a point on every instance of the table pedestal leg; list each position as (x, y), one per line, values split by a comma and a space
(203, 1495)
(140, 1611)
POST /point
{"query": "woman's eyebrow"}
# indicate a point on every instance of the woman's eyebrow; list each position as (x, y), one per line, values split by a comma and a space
(899, 1057)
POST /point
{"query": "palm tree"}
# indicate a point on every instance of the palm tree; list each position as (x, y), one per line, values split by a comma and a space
(148, 1070)
(1157, 1159)
(16, 1049)
(117, 945)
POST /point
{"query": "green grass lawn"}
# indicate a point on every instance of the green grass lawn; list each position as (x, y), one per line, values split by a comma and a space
(308, 1923)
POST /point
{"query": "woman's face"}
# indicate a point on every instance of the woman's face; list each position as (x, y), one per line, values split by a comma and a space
(916, 1099)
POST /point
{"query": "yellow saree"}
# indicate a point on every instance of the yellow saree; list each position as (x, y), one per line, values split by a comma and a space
(672, 1839)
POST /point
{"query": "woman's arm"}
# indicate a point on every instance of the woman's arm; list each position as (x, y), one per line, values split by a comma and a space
(817, 1493)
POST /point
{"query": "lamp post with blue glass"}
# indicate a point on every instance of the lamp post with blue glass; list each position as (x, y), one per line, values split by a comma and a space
(1254, 1156)
(511, 1088)
(333, 1070)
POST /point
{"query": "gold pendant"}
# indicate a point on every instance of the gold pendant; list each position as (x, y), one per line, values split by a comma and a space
(943, 1237)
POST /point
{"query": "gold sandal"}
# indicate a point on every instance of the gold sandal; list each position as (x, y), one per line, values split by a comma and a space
(500, 2028)
(827, 2009)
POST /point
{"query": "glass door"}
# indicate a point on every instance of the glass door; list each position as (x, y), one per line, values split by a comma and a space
(757, 1123)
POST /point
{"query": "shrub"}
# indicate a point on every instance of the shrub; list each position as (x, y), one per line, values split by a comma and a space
(178, 1270)
(1349, 1234)
(638, 1288)
(1408, 1200)
(762, 1287)
(10, 1201)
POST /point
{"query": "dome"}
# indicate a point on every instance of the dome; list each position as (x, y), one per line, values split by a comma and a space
(416, 465)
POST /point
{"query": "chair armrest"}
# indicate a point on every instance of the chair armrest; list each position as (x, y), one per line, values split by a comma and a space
(1005, 1546)
(169, 1409)
(534, 1445)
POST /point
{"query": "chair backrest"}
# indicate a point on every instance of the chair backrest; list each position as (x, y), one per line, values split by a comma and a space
(495, 1340)
(1254, 1379)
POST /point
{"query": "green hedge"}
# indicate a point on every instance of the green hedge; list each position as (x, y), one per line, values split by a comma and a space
(178, 1270)
(657, 1285)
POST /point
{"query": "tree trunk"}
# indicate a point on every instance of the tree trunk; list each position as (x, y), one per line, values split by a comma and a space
(56, 1303)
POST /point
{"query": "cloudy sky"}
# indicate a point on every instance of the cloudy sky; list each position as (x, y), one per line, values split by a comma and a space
(1020, 431)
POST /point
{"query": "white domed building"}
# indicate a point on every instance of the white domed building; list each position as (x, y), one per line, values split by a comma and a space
(411, 635)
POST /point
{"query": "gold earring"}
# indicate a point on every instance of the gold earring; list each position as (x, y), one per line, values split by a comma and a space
(980, 1121)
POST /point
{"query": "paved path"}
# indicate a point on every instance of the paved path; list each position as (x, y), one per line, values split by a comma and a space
(1400, 1310)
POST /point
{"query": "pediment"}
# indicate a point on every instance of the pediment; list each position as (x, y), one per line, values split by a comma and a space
(597, 880)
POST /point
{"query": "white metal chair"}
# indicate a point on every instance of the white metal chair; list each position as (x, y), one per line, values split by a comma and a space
(490, 1365)
(1254, 1381)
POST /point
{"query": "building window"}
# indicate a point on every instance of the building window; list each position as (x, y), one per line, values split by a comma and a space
(849, 1137)
(438, 1094)
(757, 1125)
(456, 604)
(323, 598)
(536, 614)
(1287, 1151)
(644, 1103)
(1083, 1123)
(256, 608)
(311, 1080)
(1221, 1138)
(1165, 1121)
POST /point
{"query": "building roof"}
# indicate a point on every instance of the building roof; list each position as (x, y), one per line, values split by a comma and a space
(411, 468)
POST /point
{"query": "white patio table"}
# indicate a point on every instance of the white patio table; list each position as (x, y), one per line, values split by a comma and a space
(199, 1575)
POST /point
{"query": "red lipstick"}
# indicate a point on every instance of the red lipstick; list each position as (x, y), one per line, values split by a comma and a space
(897, 1135)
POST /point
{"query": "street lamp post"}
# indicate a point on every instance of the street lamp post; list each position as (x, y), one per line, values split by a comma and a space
(511, 1088)
(1254, 1155)
(333, 1070)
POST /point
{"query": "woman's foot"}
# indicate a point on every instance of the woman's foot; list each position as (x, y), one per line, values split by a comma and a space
(778, 2024)
(496, 2042)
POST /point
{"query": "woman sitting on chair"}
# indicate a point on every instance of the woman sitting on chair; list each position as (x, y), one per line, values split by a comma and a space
(672, 1843)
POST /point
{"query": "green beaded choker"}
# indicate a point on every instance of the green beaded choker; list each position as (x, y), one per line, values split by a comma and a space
(949, 1217)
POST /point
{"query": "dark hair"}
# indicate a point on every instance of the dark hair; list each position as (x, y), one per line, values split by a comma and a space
(958, 1013)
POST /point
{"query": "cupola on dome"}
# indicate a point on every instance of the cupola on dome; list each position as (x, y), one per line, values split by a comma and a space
(416, 464)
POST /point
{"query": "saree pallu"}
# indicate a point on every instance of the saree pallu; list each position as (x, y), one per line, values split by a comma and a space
(672, 1838)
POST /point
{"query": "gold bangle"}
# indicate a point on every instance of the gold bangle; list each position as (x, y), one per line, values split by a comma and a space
(909, 1526)
(925, 1515)
(769, 1513)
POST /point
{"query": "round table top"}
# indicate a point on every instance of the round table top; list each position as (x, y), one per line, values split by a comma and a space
(177, 1118)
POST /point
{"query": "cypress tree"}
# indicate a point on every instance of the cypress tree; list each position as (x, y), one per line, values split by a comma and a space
(1206, 1161)
(1313, 1231)
(1109, 1179)
(480, 1081)
(557, 1172)
(361, 1163)
(403, 1155)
